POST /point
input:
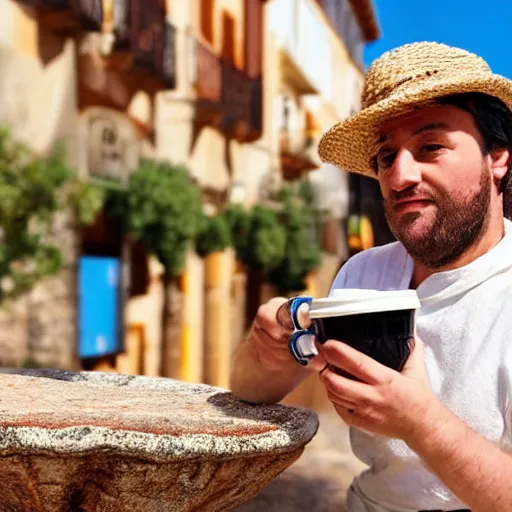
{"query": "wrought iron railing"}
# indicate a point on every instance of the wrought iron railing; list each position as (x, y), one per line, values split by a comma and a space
(153, 40)
(236, 93)
(90, 12)
(169, 56)
(256, 114)
(208, 74)
(147, 34)
(120, 22)
(230, 89)
(52, 4)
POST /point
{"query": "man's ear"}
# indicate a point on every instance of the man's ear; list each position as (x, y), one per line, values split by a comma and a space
(500, 159)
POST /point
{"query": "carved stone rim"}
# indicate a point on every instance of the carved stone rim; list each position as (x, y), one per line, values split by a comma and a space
(227, 427)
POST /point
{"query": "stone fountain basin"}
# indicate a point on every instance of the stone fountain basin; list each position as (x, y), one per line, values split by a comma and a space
(97, 442)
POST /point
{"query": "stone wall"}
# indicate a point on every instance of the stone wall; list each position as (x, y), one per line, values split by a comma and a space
(40, 328)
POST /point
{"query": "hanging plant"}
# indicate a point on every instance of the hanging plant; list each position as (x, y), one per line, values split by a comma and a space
(265, 246)
(238, 220)
(32, 190)
(86, 201)
(302, 250)
(162, 209)
(306, 192)
(214, 235)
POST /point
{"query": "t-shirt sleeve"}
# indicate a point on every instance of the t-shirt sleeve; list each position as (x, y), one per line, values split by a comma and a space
(380, 268)
(505, 393)
(341, 278)
(347, 274)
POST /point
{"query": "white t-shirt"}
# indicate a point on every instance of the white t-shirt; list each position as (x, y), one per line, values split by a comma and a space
(465, 323)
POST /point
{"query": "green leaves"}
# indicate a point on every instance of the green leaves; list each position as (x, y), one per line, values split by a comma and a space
(215, 235)
(32, 191)
(302, 252)
(238, 220)
(86, 200)
(266, 240)
(280, 240)
(162, 209)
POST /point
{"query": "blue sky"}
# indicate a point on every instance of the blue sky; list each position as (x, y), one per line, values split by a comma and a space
(483, 27)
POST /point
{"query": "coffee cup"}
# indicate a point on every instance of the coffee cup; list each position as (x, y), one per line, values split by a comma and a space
(379, 324)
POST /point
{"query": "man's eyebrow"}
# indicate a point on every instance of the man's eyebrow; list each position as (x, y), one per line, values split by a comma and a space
(426, 128)
(432, 126)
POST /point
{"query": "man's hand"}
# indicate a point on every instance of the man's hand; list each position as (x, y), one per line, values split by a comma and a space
(264, 370)
(271, 333)
(382, 401)
(402, 405)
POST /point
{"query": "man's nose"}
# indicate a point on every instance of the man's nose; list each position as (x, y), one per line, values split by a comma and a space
(405, 172)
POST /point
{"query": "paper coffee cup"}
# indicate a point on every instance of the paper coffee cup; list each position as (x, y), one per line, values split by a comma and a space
(379, 324)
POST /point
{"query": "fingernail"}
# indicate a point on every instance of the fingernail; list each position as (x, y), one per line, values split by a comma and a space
(303, 313)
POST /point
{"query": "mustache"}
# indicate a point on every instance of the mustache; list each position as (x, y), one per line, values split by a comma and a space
(412, 192)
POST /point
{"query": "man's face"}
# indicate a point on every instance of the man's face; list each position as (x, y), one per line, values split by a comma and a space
(435, 181)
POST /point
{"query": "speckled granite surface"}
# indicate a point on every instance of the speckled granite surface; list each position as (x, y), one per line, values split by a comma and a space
(105, 442)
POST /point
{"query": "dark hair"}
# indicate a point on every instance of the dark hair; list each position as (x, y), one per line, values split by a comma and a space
(494, 121)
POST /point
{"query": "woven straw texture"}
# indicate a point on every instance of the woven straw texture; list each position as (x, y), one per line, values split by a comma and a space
(401, 81)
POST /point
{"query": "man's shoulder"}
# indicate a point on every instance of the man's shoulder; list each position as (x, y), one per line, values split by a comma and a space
(376, 255)
(380, 267)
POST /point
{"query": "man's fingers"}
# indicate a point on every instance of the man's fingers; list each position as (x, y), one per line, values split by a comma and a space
(272, 319)
(303, 316)
(317, 364)
(284, 317)
(270, 350)
(355, 363)
(342, 402)
(416, 361)
(266, 339)
(343, 387)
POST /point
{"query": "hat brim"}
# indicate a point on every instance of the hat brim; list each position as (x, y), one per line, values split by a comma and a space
(351, 144)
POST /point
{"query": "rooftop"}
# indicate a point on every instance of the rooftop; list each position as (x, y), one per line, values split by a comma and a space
(365, 14)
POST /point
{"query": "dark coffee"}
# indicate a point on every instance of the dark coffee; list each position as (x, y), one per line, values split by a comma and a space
(386, 336)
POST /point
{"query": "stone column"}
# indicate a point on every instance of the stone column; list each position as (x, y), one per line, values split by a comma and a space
(218, 280)
(192, 333)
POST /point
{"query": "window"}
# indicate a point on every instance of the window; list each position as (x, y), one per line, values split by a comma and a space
(207, 10)
(253, 38)
(228, 37)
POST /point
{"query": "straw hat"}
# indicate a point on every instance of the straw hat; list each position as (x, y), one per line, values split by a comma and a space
(401, 81)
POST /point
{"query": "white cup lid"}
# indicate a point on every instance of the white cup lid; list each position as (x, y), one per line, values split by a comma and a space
(356, 301)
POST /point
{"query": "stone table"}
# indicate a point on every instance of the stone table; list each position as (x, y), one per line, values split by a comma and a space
(96, 442)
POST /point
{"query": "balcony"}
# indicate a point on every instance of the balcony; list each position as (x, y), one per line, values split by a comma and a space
(297, 151)
(241, 102)
(154, 51)
(208, 75)
(147, 34)
(50, 4)
(68, 15)
(296, 25)
(54, 4)
(139, 29)
(88, 12)
(226, 96)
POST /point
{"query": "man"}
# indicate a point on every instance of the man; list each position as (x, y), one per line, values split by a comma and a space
(436, 131)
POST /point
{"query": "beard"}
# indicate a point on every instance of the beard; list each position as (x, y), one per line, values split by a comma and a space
(459, 223)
